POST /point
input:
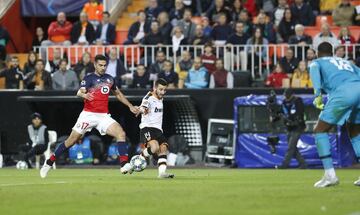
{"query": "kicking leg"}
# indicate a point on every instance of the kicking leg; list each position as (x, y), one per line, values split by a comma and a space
(162, 162)
(354, 133)
(70, 141)
(323, 146)
(151, 149)
(116, 131)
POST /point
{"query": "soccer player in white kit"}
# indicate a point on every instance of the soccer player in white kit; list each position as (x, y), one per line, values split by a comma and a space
(95, 90)
(151, 131)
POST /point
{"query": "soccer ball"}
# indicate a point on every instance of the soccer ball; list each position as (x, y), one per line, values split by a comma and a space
(138, 163)
(21, 165)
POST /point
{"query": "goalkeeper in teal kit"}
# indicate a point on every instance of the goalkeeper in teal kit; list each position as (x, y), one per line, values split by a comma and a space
(340, 80)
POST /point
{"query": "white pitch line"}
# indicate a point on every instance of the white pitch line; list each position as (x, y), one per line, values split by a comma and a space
(25, 184)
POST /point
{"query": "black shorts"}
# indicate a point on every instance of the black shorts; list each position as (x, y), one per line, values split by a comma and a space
(148, 133)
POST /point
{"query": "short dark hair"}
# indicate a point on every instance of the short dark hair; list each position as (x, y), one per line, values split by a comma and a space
(100, 57)
(40, 60)
(64, 60)
(106, 13)
(14, 57)
(161, 81)
(325, 49)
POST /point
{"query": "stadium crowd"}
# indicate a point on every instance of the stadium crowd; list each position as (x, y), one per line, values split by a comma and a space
(251, 24)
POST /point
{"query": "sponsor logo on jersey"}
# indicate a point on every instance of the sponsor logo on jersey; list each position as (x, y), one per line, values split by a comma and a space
(158, 110)
(105, 90)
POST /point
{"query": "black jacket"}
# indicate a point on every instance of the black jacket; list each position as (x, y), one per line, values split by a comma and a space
(110, 33)
(13, 76)
(293, 111)
(134, 29)
(76, 31)
(46, 77)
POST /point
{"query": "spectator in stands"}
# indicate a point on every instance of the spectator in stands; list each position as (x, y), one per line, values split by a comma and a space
(301, 77)
(83, 32)
(221, 31)
(268, 6)
(236, 8)
(219, 8)
(302, 40)
(203, 7)
(199, 38)
(286, 27)
(248, 26)
(94, 9)
(105, 32)
(205, 24)
(208, 59)
(276, 78)
(198, 77)
(325, 36)
(154, 38)
(165, 27)
(38, 138)
(340, 52)
(166, 4)
(29, 66)
(267, 28)
(84, 66)
(64, 78)
(169, 75)
(138, 29)
(152, 11)
(327, 6)
(40, 79)
(187, 26)
(346, 39)
(59, 32)
(289, 63)
(344, 13)
(4, 39)
(278, 13)
(176, 14)
(155, 68)
(221, 78)
(183, 67)
(141, 78)
(53, 65)
(310, 56)
(39, 37)
(13, 75)
(258, 52)
(177, 40)
(250, 6)
(302, 13)
(115, 67)
(237, 38)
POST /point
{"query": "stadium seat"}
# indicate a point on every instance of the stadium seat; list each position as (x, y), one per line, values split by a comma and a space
(121, 36)
(355, 2)
(47, 153)
(322, 19)
(335, 30)
(311, 31)
(2, 83)
(355, 31)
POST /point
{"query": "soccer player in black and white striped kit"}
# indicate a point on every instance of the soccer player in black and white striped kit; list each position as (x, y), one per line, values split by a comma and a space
(151, 131)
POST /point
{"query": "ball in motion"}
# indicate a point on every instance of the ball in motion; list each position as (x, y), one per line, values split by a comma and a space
(138, 163)
(21, 165)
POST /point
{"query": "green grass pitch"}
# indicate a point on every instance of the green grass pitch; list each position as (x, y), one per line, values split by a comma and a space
(193, 191)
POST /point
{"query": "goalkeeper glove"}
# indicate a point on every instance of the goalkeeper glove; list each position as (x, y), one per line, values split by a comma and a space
(318, 102)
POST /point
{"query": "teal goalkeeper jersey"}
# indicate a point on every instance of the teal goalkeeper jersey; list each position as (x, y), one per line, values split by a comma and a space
(329, 73)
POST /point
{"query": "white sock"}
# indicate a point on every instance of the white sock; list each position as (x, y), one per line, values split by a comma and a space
(162, 169)
(330, 173)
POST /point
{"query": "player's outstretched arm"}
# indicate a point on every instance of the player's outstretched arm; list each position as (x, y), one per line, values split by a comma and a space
(83, 94)
(120, 96)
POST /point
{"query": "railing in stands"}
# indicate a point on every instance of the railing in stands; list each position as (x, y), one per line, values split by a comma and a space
(4, 6)
(236, 57)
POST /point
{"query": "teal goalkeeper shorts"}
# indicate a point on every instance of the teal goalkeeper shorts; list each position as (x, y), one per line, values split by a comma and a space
(343, 105)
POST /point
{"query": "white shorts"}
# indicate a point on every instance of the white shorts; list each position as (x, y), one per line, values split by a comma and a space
(89, 120)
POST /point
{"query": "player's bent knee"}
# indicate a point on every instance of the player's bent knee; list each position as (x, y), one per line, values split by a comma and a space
(163, 148)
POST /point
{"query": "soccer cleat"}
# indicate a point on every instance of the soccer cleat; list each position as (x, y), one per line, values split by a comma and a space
(127, 168)
(357, 182)
(166, 175)
(326, 182)
(44, 170)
